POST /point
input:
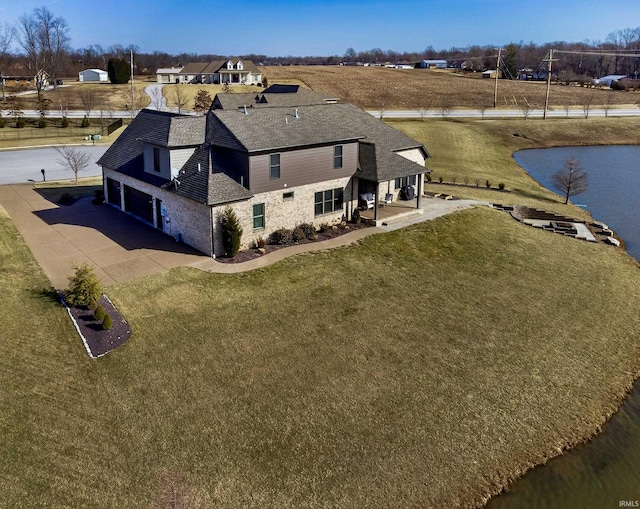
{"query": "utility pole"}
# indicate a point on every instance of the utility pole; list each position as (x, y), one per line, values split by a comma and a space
(546, 99)
(495, 91)
(132, 92)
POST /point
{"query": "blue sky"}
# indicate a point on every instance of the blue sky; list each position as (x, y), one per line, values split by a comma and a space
(328, 27)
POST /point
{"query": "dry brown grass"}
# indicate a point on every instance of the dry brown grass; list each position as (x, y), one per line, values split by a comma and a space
(107, 96)
(379, 87)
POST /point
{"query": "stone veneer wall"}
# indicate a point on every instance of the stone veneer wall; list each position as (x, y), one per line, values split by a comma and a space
(185, 217)
(280, 213)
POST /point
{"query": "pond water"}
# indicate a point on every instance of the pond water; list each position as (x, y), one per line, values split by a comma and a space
(605, 472)
(614, 183)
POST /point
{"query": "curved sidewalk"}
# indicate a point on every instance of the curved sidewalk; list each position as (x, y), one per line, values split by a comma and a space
(122, 248)
(434, 208)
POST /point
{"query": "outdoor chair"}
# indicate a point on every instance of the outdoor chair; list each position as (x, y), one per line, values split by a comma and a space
(388, 199)
(366, 201)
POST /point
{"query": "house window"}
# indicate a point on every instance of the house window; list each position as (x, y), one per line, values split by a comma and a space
(337, 156)
(258, 216)
(288, 196)
(156, 159)
(274, 169)
(328, 201)
(406, 181)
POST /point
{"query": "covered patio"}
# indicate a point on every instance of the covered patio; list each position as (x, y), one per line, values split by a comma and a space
(389, 183)
(395, 210)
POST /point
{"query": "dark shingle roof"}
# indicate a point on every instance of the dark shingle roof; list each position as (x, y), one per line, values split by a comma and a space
(302, 97)
(265, 129)
(194, 68)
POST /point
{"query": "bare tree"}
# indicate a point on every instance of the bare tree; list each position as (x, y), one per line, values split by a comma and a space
(7, 33)
(607, 103)
(446, 106)
(73, 158)
(88, 96)
(45, 41)
(526, 108)
(587, 102)
(179, 97)
(482, 106)
(571, 179)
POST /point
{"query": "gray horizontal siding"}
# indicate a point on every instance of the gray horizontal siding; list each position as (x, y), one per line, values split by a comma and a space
(301, 167)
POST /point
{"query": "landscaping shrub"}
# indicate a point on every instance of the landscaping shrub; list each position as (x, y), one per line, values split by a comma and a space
(106, 323)
(66, 199)
(454, 179)
(231, 232)
(281, 237)
(2, 123)
(20, 123)
(501, 186)
(84, 286)
(308, 229)
(85, 122)
(65, 122)
(428, 176)
(261, 243)
(440, 179)
(477, 182)
(355, 217)
(297, 234)
(488, 184)
(99, 313)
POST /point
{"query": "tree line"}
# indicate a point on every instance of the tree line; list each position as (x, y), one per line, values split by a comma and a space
(40, 40)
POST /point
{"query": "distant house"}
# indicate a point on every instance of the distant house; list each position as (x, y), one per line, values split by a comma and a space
(432, 64)
(22, 78)
(279, 158)
(169, 75)
(606, 81)
(491, 73)
(93, 75)
(234, 71)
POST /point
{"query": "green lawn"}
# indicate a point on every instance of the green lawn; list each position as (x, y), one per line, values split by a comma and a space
(482, 150)
(418, 368)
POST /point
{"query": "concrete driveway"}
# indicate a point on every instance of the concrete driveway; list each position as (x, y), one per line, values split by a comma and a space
(120, 247)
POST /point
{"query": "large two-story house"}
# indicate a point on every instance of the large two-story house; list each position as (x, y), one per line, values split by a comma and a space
(279, 158)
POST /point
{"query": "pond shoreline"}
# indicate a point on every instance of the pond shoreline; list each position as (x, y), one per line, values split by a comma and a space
(621, 393)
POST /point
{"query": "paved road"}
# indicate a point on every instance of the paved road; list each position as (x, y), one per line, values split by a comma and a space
(459, 113)
(24, 165)
(504, 113)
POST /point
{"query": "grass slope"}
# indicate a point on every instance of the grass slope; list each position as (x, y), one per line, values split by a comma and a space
(421, 367)
(483, 150)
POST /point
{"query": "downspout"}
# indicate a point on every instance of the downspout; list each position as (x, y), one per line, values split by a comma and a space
(213, 250)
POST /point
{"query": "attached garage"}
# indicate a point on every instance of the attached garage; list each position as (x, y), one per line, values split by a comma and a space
(138, 203)
(113, 192)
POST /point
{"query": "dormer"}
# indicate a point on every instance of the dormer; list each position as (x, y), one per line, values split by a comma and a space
(229, 65)
(239, 65)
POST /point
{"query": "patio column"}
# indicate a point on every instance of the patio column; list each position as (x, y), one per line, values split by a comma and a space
(420, 185)
(375, 201)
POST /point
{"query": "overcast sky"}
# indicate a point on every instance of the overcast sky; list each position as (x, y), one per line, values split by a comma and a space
(328, 27)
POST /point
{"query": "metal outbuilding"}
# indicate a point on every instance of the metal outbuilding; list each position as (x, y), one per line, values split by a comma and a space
(93, 75)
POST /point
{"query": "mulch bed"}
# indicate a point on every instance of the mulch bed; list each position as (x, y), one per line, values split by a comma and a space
(250, 254)
(97, 340)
